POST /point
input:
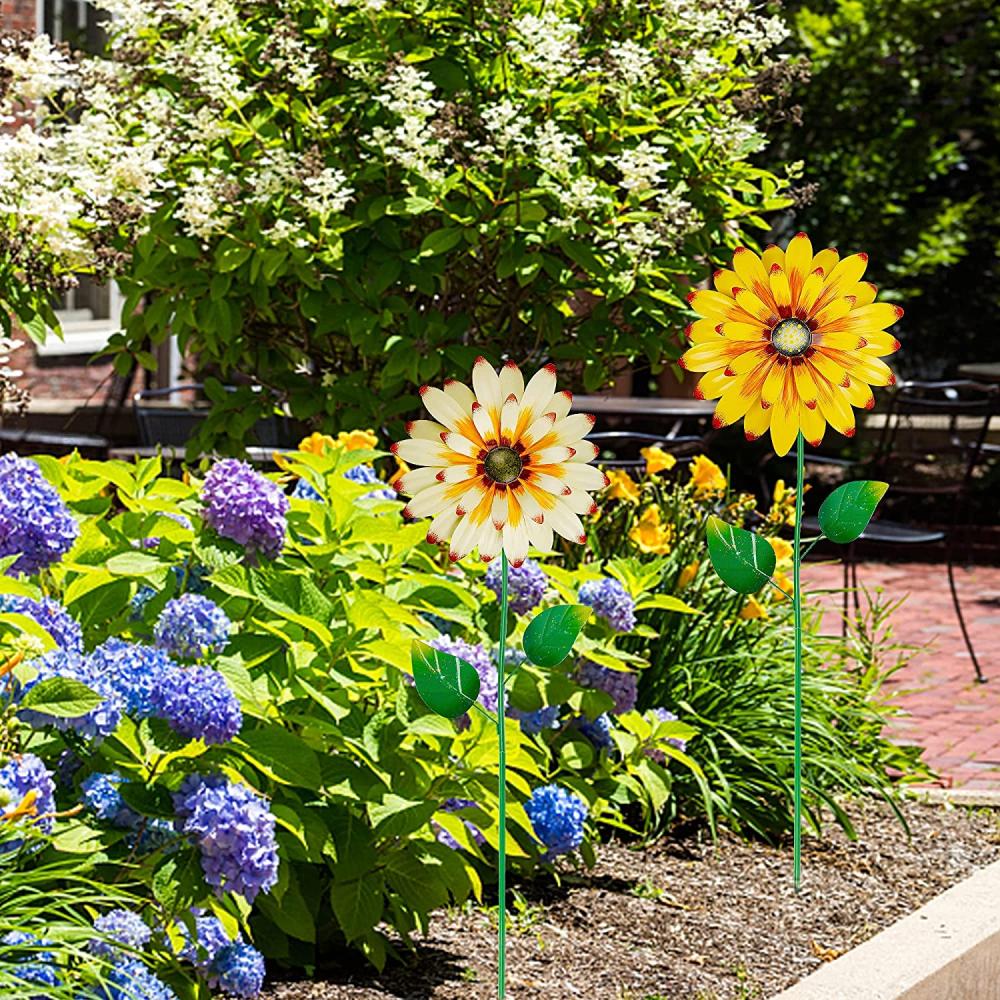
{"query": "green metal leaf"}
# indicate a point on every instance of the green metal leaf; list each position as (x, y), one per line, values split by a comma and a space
(550, 636)
(448, 685)
(845, 513)
(743, 560)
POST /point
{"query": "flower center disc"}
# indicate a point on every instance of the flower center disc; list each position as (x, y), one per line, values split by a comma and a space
(503, 465)
(791, 337)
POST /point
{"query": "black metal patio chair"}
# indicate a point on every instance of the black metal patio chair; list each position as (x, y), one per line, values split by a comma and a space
(622, 449)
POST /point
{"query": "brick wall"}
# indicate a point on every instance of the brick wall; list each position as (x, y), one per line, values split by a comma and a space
(17, 15)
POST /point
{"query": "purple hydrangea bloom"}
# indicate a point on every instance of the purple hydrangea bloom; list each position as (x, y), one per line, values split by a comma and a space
(210, 938)
(622, 685)
(122, 927)
(367, 476)
(478, 658)
(611, 601)
(26, 952)
(33, 519)
(95, 724)
(132, 670)
(444, 837)
(656, 715)
(51, 615)
(558, 817)
(243, 505)
(197, 703)
(598, 730)
(100, 796)
(190, 626)
(20, 775)
(532, 723)
(131, 980)
(234, 831)
(238, 970)
(526, 584)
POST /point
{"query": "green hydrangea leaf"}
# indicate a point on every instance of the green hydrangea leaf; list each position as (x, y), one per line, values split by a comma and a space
(743, 560)
(845, 513)
(549, 637)
(447, 684)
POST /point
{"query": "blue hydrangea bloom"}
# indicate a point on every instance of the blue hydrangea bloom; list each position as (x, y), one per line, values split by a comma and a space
(238, 970)
(190, 626)
(131, 980)
(197, 703)
(598, 730)
(101, 797)
(26, 951)
(622, 685)
(95, 724)
(444, 837)
(655, 715)
(51, 615)
(139, 600)
(526, 584)
(20, 775)
(532, 723)
(304, 490)
(34, 521)
(478, 658)
(132, 670)
(243, 505)
(121, 926)
(611, 601)
(367, 476)
(558, 817)
(210, 938)
(234, 831)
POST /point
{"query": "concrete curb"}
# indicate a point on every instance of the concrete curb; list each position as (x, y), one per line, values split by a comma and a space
(946, 950)
(957, 796)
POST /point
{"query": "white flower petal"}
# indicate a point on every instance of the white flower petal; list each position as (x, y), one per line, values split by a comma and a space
(509, 414)
(489, 430)
(569, 429)
(490, 541)
(550, 484)
(580, 502)
(537, 430)
(540, 535)
(415, 480)
(417, 451)
(443, 408)
(464, 538)
(559, 404)
(430, 501)
(583, 477)
(537, 393)
(461, 393)
(586, 451)
(564, 522)
(442, 527)
(515, 542)
(426, 430)
(498, 513)
(511, 381)
(462, 445)
(551, 456)
(457, 473)
(486, 384)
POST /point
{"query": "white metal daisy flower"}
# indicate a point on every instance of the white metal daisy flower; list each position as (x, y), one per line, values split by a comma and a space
(505, 464)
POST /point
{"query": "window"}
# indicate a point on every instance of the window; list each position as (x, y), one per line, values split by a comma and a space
(88, 314)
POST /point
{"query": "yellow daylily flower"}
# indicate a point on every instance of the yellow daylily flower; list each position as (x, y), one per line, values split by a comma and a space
(357, 440)
(782, 549)
(623, 486)
(790, 342)
(688, 574)
(657, 460)
(753, 609)
(317, 444)
(706, 476)
(785, 583)
(650, 534)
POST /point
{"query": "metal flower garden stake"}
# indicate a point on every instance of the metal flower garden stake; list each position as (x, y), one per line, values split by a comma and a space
(501, 467)
(790, 342)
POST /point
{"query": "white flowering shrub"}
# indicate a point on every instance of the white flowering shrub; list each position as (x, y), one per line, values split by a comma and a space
(363, 194)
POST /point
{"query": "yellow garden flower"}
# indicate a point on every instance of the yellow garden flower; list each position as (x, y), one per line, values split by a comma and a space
(357, 440)
(790, 342)
(317, 444)
(502, 465)
(623, 486)
(783, 508)
(688, 574)
(706, 476)
(782, 549)
(657, 460)
(650, 534)
(753, 609)
(784, 582)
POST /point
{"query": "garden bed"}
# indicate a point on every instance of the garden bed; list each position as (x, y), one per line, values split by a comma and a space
(688, 921)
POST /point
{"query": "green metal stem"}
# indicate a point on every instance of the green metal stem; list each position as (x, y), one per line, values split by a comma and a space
(797, 606)
(502, 788)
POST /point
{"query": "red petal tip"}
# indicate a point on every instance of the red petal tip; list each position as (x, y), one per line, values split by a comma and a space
(582, 540)
(718, 422)
(406, 511)
(476, 405)
(510, 364)
(408, 426)
(775, 269)
(691, 296)
(423, 389)
(764, 405)
(440, 476)
(892, 380)
(800, 236)
(862, 343)
(810, 404)
(593, 509)
(816, 443)
(739, 250)
(819, 272)
(480, 361)
(511, 398)
(591, 419)
(538, 518)
(870, 405)
(850, 432)
(517, 563)
(716, 274)
(728, 372)
(899, 312)
(444, 436)
(432, 539)
(572, 452)
(718, 328)
(698, 394)
(550, 368)
(846, 383)
(750, 436)
(567, 491)
(607, 481)
(681, 364)
(896, 345)
(453, 557)
(863, 256)
(450, 381)
(394, 447)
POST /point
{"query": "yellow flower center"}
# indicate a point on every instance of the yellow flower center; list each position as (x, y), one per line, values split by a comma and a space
(791, 337)
(503, 465)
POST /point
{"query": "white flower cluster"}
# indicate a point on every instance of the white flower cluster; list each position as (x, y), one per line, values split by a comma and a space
(546, 44)
(35, 70)
(631, 62)
(408, 96)
(642, 167)
(327, 192)
(203, 205)
(505, 122)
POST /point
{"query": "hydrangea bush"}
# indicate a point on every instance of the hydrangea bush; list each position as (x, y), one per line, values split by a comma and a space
(246, 735)
(350, 195)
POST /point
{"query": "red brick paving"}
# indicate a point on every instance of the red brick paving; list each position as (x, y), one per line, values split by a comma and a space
(955, 719)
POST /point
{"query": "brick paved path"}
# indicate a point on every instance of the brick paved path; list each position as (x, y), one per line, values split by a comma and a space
(956, 719)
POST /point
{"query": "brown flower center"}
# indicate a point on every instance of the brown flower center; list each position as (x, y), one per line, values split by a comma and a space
(791, 337)
(503, 465)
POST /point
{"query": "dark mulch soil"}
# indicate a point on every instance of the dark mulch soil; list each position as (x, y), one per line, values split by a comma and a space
(686, 920)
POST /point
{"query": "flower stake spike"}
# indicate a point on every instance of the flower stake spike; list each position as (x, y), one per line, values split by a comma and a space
(790, 342)
(501, 467)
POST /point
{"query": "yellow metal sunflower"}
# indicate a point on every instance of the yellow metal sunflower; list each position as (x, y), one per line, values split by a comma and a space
(791, 342)
(505, 464)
